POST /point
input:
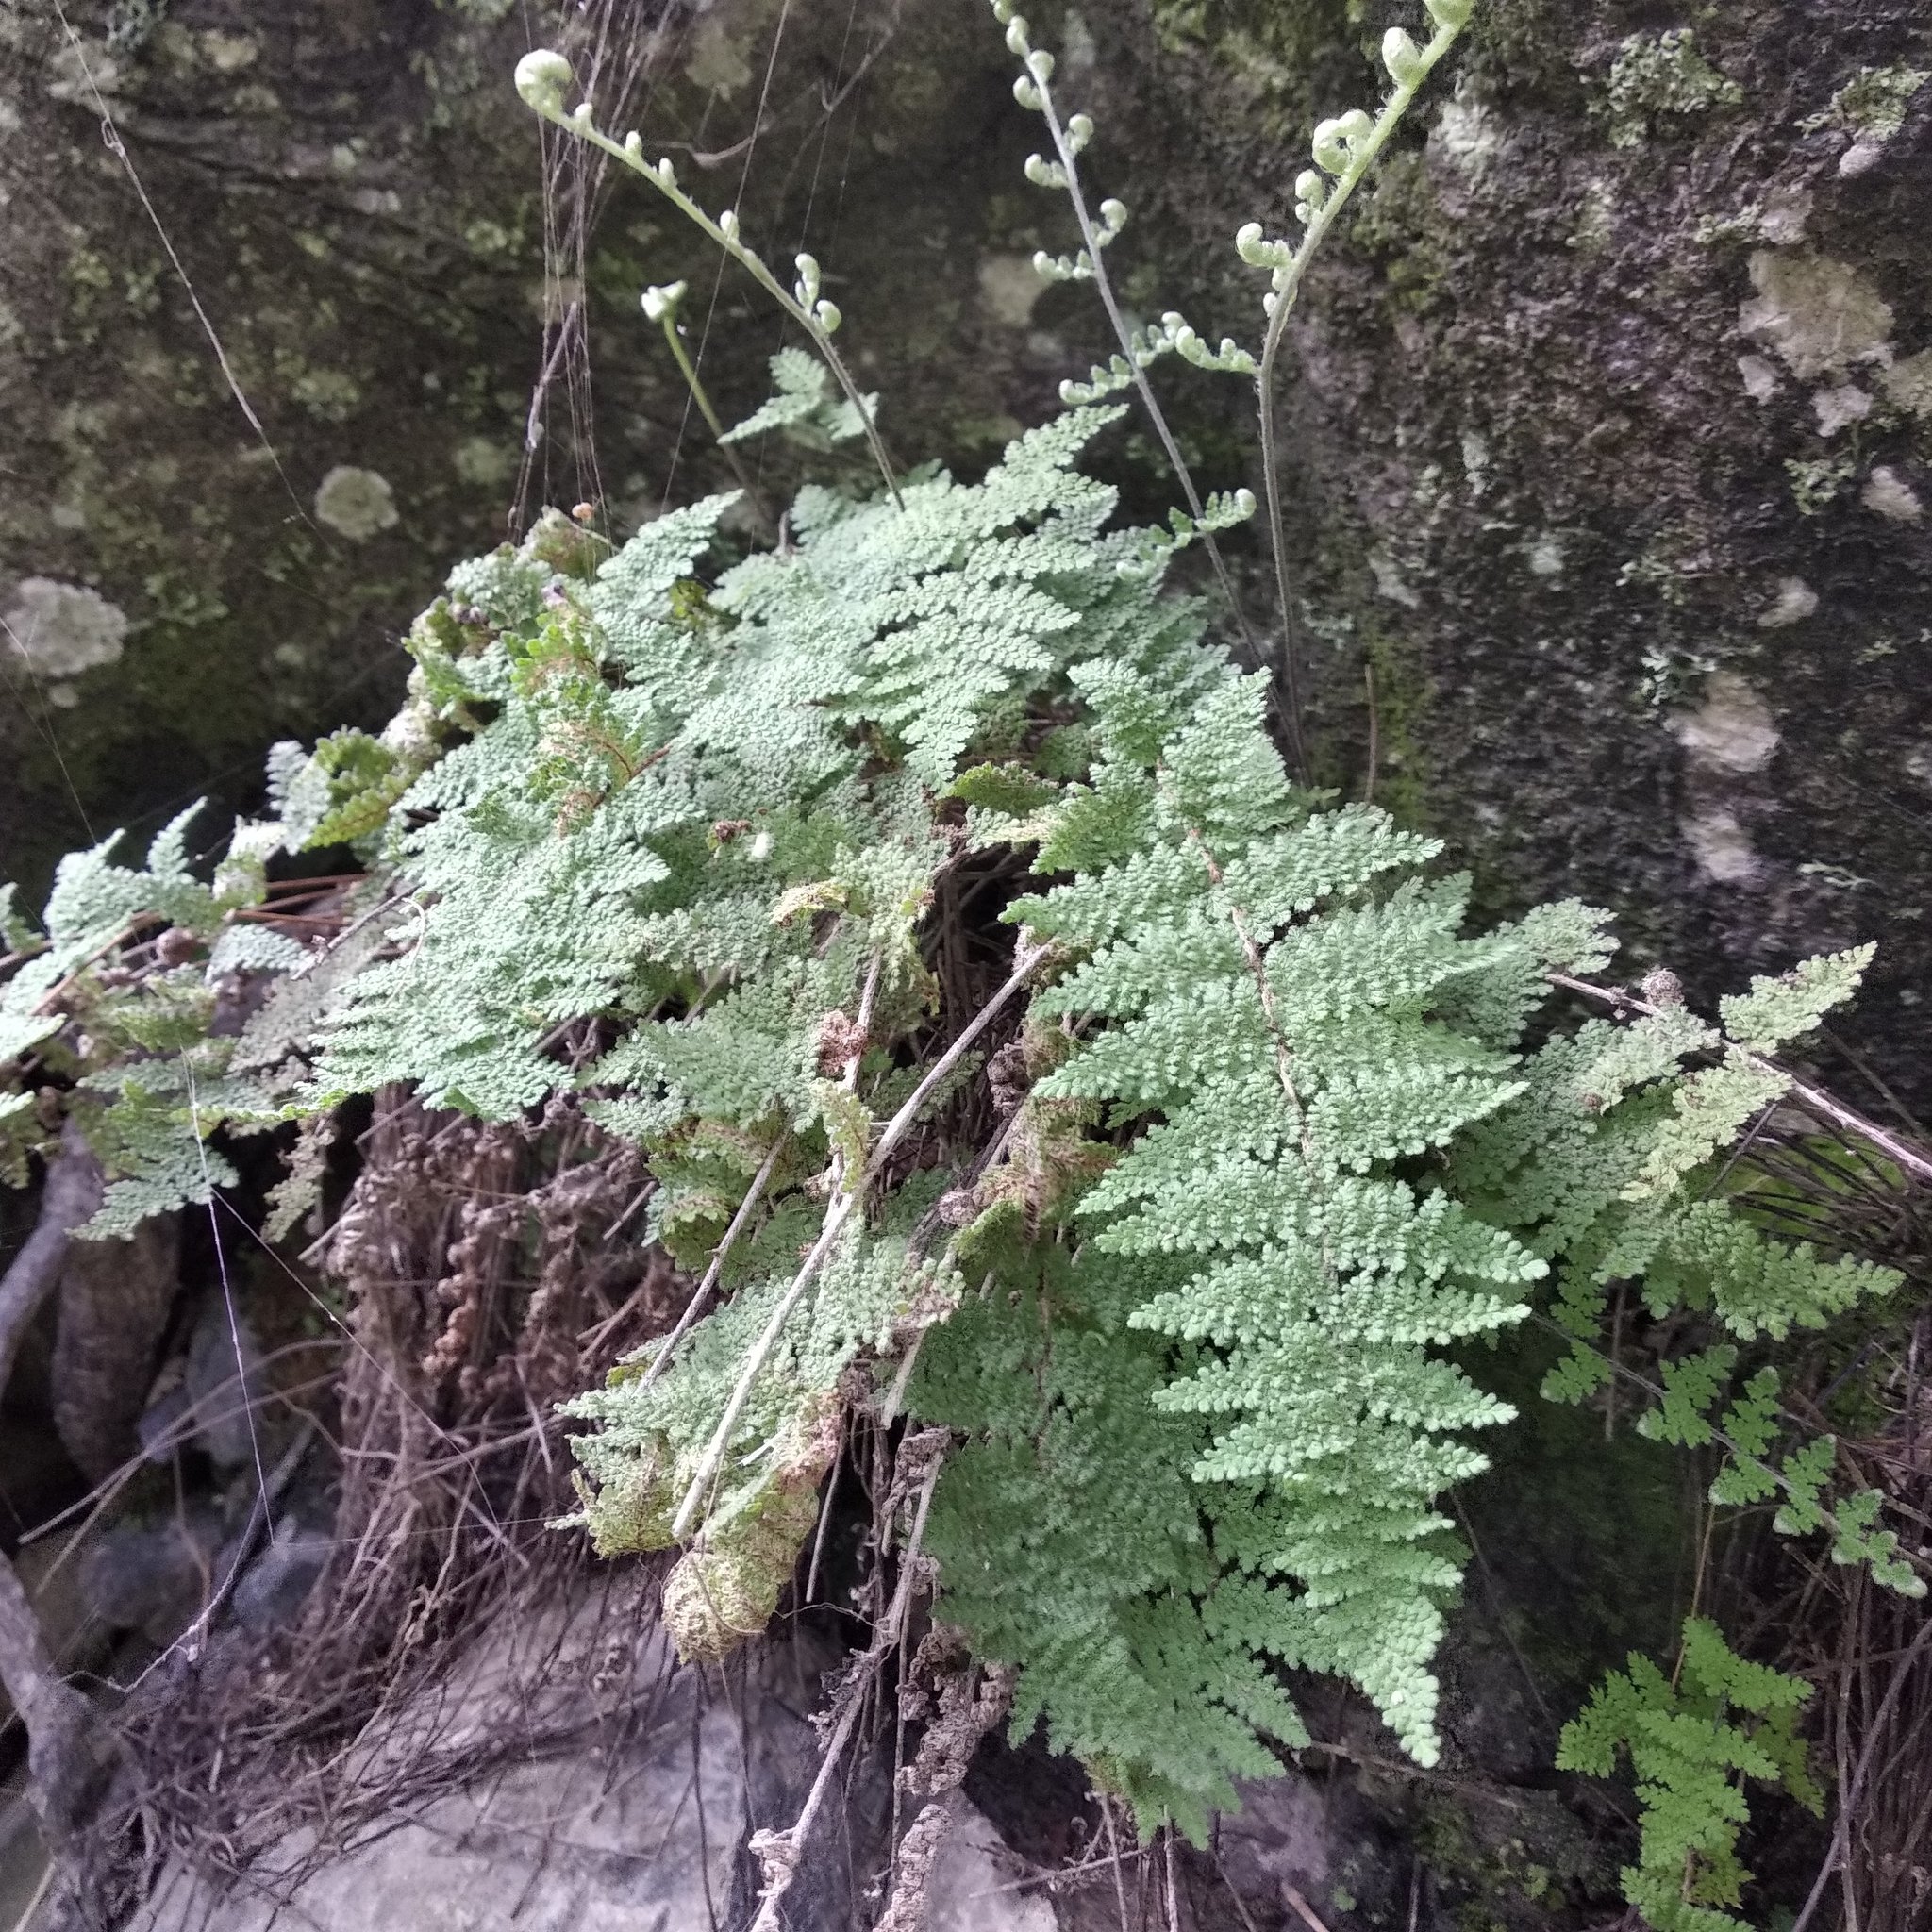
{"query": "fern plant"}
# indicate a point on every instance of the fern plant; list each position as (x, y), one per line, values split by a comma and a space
(667, 828)
(1694, 1741)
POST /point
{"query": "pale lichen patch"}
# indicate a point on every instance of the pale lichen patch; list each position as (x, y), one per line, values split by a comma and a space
(1781, 219)
(1009, 288)
(1888, 495)
(331, 396)
(1476, 461)
(1662, 74)
(1796, 601)
(228, 53)
(1732, 731)
(483, 461)
(62, 629)
(1390, 581)
(1079, 49)
(718, 62)
(1722, 847)
(1872, 104)
(1818, 314)
(1910, 383)
(1466, 135)
(83, 67)
(1844, 404)
(356, 503)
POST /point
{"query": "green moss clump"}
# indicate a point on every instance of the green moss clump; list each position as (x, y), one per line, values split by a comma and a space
(1872, 104)
(1657, 74)
(1815, 484)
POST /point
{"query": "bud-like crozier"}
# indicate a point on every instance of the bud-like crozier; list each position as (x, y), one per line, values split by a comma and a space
(1450, 13)
(1401, 57)
(1331, 154)
(660, 302)
(542, 78)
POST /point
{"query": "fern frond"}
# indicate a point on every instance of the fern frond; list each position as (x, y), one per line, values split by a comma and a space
(1781, 1010)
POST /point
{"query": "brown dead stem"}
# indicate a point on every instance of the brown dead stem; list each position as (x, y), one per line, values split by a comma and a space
(468, 1260)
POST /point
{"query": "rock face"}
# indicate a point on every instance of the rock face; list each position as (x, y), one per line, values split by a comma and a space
(314, 325)
(1610, 461)
(637, 1823)
(1614, 409)
(1613, 451)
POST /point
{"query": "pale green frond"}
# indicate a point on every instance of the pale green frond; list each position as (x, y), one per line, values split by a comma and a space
(1784, 1009)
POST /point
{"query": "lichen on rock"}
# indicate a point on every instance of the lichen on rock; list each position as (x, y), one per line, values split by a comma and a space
(357, 504)
(62, 629)
(1662, 74)
(1818, 314)
(1872, 104)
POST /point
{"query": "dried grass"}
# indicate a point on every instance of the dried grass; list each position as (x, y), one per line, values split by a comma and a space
(470, 1262)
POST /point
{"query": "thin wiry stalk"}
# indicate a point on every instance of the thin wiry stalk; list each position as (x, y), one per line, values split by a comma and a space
(546, 96)
(845, 1199)
(1103, 287)
(1848, 1804)
(702, 397)
(693, 1307)
(784, 1864)
(1287, 286)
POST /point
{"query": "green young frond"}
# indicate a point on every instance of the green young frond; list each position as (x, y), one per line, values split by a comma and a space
(1693, 1749)
(1711, 1108)
(1858, 1538)
(496, 966)
(150, 1140)
(92, 898)
(1382, 1114)
(1565, 937)
(1309, 1300)
(22, 1134)
(1792, 1005)
(661, 649)
(1146, 887)
(1689, 1389)
(1712, 1256)
(806, 404)
(1097, 824)
(1141, 1664)
(1228, 783)
(1340, 852)
(18, 933)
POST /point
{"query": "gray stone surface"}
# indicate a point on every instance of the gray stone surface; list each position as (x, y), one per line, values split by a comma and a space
(640, 1843)
(978, 1884)
(1608, 405)
(643, 1832)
